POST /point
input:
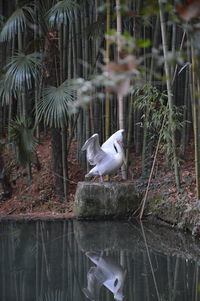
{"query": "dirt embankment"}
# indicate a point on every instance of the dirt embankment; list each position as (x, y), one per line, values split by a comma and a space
(178, 209)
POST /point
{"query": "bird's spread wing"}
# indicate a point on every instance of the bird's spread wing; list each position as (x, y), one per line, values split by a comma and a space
(108, 145)
(94, 152)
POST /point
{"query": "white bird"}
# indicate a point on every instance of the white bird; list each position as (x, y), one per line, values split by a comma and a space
(107, 273)
(108, 158)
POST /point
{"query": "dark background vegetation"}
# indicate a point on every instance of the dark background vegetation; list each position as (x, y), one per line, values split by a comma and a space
(73, 68)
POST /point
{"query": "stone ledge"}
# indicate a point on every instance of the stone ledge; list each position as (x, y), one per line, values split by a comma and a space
(95, 200)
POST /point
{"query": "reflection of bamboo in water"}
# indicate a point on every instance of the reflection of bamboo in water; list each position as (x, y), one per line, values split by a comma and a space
(69, 263)
(74, 263)
(37, 263)
(169, 277)
(22, 288)
(107, 295)
(175, 278)
(17, 274)
(68, 269)
(149, 258)
(13, 257)
(64, 257)
(44, 250)
(16, 256)
(196, 281)
(3, 274)
(186, 278)
(147, 297)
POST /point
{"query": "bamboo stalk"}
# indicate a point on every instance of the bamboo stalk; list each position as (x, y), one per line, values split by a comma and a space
(196, 126)
(64, 127)
(107, 56)
(119, 31)
(129, 134)
(64, 162)
(169, 93)
(119, 96)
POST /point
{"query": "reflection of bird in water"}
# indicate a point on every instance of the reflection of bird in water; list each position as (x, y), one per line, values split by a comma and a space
(93, 285)
(106, 273)
(108, 158)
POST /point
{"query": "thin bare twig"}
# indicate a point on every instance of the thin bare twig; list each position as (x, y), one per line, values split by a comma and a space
(152, 169)
(150, 262)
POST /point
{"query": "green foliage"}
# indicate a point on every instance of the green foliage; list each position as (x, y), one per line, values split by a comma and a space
(153, 102)
(54, 105)
(22, 69)
(151, 8)
(45, 195)
(95, 29)
(62, 12)
(21, 135)
(143, 43)
(16, 23)
(126, 40)
(6, 93)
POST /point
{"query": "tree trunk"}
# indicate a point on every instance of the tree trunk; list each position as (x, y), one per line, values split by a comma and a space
(4, 179)
(56, 144)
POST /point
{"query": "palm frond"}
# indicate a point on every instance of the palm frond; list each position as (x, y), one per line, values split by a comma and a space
(21, 135)
(6, 93)
(2, 21)
(54, 105)
(16, 23)
(61, 12)
(22, 69)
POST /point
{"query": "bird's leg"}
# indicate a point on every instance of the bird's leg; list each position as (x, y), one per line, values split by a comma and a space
(87, 177)
(101, 178)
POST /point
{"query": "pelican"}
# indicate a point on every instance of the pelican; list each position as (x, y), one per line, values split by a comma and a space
(107, 273)
(108, 158)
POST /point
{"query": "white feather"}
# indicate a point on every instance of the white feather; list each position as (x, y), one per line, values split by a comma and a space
(108, 158)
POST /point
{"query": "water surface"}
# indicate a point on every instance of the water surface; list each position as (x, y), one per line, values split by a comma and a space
(99, 261)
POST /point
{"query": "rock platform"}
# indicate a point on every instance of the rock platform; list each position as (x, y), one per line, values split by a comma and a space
(95, 200)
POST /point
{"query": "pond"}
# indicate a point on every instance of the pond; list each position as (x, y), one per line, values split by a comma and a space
(98, 261)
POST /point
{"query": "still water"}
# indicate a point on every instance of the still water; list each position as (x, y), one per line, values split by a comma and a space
(98, 261)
